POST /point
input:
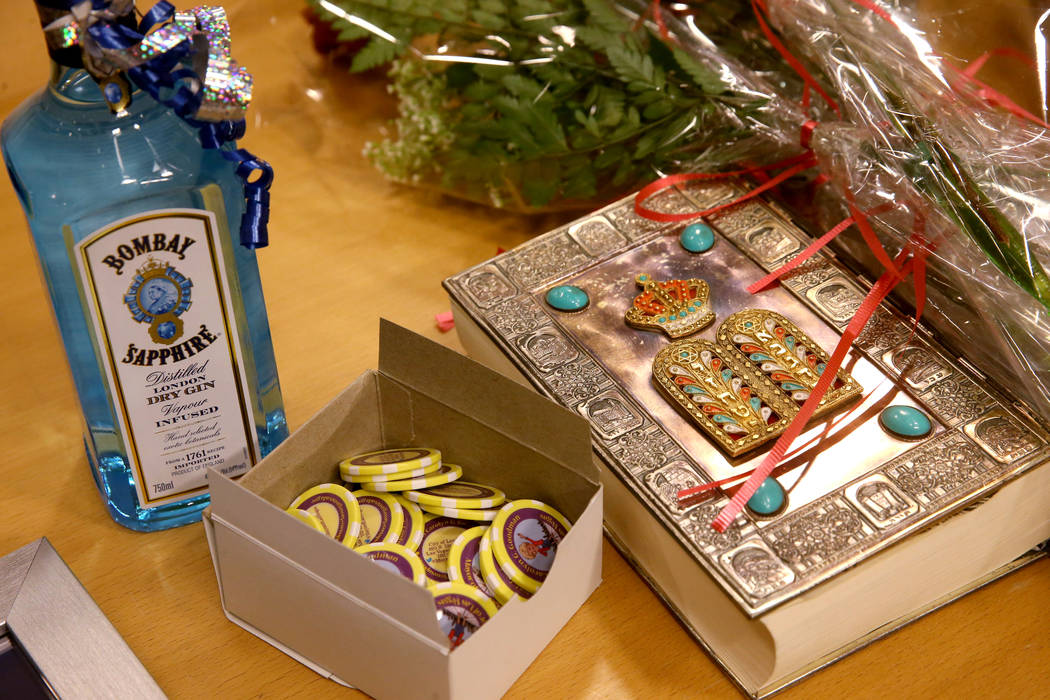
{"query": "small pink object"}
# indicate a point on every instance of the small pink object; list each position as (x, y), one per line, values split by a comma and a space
(444, 321)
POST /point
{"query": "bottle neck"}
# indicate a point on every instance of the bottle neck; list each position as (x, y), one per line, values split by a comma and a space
(76, 86)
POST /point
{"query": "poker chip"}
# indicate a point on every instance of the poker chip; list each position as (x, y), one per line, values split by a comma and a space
(382, 517)
(390, 461)
(439, 533)
(364, 479)
(461, 513)
(458, 494)
(525, 537)
(462, 609)
(447, 473)
(336, 508)
(463, 561)
(308, 518)
(412, 525)
(502, 588)
(397, 558)
(410, 513)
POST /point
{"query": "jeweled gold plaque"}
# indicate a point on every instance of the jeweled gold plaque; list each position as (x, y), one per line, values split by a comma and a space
(743, 390)
(787, 356)
(734, 404)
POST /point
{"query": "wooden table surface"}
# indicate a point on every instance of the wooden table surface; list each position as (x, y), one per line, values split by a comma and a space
(338, 230)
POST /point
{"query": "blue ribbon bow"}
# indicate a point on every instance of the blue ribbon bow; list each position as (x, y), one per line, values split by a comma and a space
(182, 90)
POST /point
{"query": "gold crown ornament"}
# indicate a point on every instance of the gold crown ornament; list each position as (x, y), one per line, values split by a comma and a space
(676, 307)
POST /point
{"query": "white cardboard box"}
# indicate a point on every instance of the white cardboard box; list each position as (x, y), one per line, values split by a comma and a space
(355, 622)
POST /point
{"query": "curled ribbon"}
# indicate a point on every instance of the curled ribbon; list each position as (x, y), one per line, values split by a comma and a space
(182, 60)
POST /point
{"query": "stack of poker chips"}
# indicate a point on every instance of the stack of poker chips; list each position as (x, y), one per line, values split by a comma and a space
(413, 514)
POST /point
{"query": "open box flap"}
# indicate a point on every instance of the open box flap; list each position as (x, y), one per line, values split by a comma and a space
(390, 597)
(488, 397)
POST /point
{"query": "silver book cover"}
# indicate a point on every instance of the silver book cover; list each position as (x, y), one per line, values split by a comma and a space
(853, 488)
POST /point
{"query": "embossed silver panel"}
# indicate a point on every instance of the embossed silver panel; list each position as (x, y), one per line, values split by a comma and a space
(543, 259)
(546, 349)
(756, 569)
(643, 450)
(809, 274)
(697, 525)
(860, 490)
(883, 503)
(941, 469)
(957, 399)
(488, 286)
(610, 414)
(634, 226)
(597, 235)
(818, 536)
(918, 365)
(517, 316)
(770, 241)
(667, 481)
(838, 298)
(1003, 437)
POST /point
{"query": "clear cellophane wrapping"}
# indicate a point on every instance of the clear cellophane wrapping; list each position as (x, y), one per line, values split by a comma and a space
(540, 105)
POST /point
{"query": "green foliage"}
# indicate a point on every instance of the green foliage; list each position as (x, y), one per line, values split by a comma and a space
(555, 99)
(375, 53)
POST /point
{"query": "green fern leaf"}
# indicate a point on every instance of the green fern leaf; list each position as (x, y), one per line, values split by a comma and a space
(707, 79)
(375, 53)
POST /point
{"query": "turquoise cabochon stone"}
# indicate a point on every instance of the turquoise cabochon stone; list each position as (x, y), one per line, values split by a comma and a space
(697, 238)
(905, 421)
(567, 297)
(768, 499)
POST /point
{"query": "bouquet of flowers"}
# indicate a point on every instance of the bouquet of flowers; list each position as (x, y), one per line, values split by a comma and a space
(535, 105)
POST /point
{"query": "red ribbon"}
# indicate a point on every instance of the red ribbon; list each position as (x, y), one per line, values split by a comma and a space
(812, 249)
(868, 5)
(919, 248)
(761, 10)
(991, 95)
(686, 497)
(911, 260)
(882, 288)
(794, 165)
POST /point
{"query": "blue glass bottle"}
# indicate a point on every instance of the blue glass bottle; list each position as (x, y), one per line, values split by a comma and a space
(77, 169)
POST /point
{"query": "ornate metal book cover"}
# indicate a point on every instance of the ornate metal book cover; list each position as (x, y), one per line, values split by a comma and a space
(645, 335)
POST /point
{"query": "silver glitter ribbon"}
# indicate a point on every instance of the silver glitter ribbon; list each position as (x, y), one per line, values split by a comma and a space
(225, 88)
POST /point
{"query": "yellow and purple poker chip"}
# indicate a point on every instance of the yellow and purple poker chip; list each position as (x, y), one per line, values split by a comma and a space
(525, 537)
(462, 513)
(462, 609)
(391, 461)
(336, 508)
(458, 494)
(308, 518)
(503, 588)
(447, 473)
(382, 517)
(397, 558)
(365, 479)
(439, 533)
(412, 525)
(464, 565)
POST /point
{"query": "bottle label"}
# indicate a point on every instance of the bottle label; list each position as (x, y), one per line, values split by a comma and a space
(157, 289)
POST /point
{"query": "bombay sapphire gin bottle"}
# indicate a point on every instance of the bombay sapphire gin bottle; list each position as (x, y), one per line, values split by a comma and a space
(160, 311)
